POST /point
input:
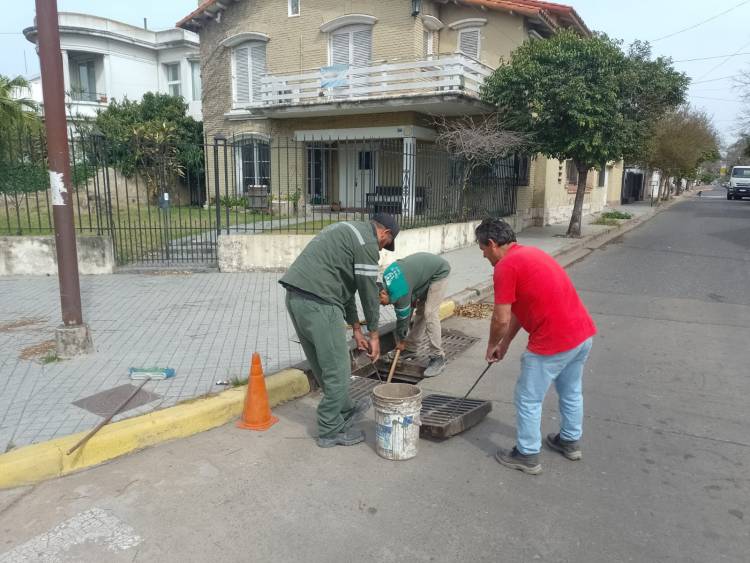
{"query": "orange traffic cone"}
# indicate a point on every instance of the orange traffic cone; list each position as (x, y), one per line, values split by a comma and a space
(257, 412)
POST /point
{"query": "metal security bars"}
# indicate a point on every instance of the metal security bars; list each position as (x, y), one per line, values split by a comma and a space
(160, 214)
(265, 184)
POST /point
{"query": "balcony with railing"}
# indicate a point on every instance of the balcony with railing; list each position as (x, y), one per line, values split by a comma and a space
(432, 81)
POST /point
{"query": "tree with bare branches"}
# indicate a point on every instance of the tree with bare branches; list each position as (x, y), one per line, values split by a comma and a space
(476, 141)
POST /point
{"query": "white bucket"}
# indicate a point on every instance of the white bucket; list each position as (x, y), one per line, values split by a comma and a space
(397, 407)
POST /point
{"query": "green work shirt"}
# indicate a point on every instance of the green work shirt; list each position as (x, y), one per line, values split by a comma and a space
(340, 261)
(408, 280)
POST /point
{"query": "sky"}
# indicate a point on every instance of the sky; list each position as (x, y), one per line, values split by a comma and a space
(726, 37)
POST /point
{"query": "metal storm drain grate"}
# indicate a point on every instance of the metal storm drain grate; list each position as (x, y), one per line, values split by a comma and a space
(104, 402)
(412, 370)
(361, 387)
(444, 416)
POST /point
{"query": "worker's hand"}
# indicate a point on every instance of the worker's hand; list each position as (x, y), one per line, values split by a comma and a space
(361, 341)
(496, 353)
(374, 347)
(401, 345)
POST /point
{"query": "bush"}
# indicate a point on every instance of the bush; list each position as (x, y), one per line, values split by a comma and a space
(616, 215)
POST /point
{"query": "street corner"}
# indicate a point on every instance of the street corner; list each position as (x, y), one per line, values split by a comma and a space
(37, 462)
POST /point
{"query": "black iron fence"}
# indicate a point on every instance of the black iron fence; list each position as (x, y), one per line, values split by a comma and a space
(160, 212)
(278, 184)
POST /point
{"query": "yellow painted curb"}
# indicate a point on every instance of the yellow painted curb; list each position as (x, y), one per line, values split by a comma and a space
(37, 462)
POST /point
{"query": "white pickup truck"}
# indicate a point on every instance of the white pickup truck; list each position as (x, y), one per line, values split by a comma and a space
(739, 183)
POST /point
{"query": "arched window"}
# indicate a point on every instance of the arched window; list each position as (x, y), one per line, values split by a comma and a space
(248, 68)
(252, 156)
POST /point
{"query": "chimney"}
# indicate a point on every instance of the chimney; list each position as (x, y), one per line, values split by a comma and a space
(145, 24)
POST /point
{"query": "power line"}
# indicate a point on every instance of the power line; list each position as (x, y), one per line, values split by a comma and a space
(716, 99)
(714, 79)
(737, 52)
(700, 23)
(709, 58)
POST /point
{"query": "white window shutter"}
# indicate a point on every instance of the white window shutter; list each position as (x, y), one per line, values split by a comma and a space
(242, 75)
(468, 42)
(340, 49)
(258, 63)
(361, 47)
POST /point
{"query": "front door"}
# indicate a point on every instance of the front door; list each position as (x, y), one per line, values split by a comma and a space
(357, 174)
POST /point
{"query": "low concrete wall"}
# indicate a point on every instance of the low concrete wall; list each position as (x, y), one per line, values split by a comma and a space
(253, 253)
(36, 256)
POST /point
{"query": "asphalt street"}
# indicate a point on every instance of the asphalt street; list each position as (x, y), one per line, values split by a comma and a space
(664, 475)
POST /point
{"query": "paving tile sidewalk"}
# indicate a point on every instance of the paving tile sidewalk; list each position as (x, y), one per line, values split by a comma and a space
(204, 325)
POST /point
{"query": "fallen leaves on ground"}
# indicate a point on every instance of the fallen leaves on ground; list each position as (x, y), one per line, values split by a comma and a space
(475, 310)
(43, 349)
(20, 323)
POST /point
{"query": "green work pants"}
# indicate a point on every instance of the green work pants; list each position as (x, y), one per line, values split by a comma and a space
(321, 331)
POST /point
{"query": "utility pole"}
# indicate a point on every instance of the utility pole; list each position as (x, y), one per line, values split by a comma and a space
(72, 337)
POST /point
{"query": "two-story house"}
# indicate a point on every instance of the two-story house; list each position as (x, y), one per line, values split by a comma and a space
(356, 85)
(106, 60)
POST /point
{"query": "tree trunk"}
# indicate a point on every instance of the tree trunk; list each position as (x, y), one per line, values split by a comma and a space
(574, 229)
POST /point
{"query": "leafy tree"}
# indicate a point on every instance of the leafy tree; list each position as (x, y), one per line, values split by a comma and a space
(14, 109)
(582, 98)
(684, 140)
(155, 137)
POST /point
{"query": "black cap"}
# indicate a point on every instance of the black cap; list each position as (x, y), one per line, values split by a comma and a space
(389, 222)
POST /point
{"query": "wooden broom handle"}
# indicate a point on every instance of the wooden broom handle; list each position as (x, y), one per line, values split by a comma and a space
(393, 366)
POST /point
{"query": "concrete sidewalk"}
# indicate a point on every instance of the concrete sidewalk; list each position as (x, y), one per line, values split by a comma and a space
(205, 326)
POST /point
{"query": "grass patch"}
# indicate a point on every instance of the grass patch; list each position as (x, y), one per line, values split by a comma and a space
(616, 215)
(238, 381)
(50, 358)
(606, 221)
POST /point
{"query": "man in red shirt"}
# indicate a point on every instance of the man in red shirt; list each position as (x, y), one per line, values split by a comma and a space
(533, 292)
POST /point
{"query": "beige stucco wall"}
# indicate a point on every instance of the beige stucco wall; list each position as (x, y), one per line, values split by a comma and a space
(502, 33)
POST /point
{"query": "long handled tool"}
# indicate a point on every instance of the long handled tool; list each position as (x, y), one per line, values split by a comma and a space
(393, 366)
(98, 427)
(461, 401)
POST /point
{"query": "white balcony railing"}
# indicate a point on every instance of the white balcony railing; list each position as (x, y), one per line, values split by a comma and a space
(439, 75)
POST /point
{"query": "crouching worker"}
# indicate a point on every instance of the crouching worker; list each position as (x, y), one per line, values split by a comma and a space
(321, 285)
(418, 281)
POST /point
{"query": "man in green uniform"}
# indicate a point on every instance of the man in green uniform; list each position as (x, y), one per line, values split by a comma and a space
(421, 280)
(321, 285)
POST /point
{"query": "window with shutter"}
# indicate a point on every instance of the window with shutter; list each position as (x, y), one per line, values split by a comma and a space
(340, 49)
(249, 69)
(361, 47)
(351, 46)
(468, 42)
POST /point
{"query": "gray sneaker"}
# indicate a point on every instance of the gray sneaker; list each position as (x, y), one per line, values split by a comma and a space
(435, 367)
(360, 408)
(405, 355)
(571, 450)
(346, 438)
(516, 460)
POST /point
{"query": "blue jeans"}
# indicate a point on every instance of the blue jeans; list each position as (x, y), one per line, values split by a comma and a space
(537, 373)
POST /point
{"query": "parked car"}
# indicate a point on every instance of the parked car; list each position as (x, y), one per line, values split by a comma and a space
(739, 183)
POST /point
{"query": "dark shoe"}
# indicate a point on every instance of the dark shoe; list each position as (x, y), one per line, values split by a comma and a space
(571, 450)
(435, 367)
(347, 438)
(516, 460)
(360, 408)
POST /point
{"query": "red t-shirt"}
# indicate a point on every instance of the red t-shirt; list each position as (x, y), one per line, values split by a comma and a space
(543, 299)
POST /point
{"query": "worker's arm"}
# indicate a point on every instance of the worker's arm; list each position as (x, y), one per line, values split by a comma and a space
(403, 313)
(501, 325)
(365, 276)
